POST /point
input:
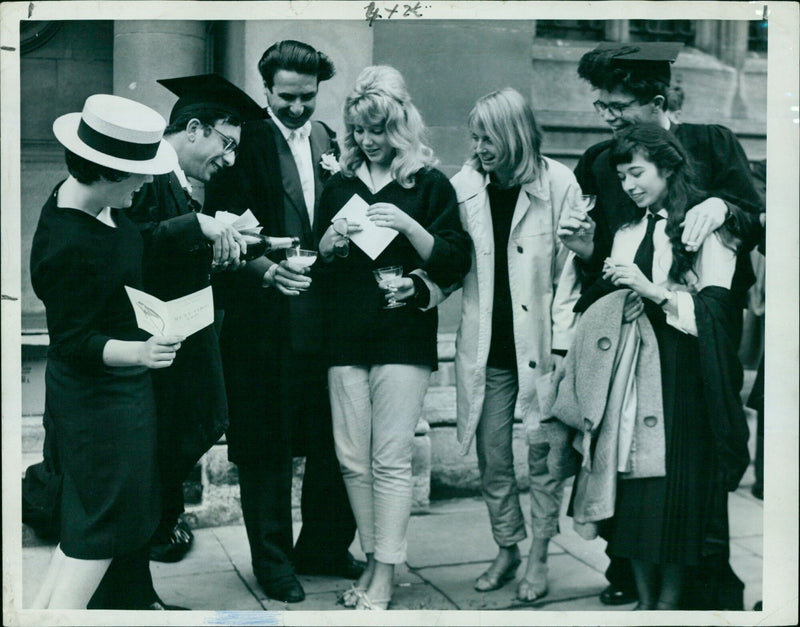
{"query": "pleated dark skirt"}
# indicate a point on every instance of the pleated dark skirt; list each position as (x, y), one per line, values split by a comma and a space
(104, 427)
(663, 520)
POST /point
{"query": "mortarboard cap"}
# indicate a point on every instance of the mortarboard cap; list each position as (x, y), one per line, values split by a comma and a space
(646, 59)
(210, 91)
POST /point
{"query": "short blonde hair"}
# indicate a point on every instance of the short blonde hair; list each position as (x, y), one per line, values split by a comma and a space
(380, 98)
(509, 122)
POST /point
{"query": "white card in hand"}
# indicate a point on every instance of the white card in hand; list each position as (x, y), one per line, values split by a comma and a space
(245, 222)
(372, 239)
(181, 316)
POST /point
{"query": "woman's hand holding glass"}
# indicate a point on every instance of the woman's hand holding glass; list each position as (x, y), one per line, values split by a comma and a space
(388, 280)
(575, 227)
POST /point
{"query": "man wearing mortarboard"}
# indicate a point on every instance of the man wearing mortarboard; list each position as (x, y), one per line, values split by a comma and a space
(631, 83)
(182, 248)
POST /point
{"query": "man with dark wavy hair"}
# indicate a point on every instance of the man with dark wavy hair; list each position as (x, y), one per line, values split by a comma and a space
(271, 339)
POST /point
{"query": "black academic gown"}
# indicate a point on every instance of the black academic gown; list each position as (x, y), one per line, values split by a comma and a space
(274, 367)
(190, 394)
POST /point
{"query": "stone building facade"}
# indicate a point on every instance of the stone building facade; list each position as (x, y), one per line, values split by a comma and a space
(448, 64)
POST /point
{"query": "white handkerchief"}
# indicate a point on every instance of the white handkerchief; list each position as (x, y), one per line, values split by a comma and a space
(181, 316)
(372, 239)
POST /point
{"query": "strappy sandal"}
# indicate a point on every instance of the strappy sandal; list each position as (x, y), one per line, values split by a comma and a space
(349, 598)
(489, 581)
(365, 603)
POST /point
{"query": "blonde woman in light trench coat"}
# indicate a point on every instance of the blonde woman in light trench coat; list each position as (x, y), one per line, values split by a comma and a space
(516, 311)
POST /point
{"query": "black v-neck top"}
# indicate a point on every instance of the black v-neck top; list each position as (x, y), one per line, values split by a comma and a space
(359, 330)
(79, 269)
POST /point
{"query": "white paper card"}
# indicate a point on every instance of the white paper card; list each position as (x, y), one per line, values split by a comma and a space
(245, 222)
(181, 316)
(372, 239)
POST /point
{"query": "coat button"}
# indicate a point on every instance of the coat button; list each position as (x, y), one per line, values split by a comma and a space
(604, 343)
(532, 364)
(519, 249)
(650, 421)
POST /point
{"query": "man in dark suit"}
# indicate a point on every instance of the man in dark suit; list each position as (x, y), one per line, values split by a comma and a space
(271, 338)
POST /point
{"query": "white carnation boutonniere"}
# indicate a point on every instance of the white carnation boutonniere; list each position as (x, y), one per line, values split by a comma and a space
(330, 163)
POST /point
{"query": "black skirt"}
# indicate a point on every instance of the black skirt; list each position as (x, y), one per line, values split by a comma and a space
(104, 430)
(663, 520)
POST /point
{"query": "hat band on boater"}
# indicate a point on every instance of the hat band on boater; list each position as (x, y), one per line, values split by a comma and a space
(113, 147)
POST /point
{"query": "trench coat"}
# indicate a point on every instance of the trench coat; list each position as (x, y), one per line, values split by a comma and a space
(544, 289)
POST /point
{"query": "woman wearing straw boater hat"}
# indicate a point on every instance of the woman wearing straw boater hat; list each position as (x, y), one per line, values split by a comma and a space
(99, 408)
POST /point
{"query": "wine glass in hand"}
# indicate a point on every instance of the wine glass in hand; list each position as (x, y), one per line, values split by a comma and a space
(386, 278)
(300, 258)
(585, 203)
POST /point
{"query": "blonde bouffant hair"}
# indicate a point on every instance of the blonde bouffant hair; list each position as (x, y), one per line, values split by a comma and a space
(380, 98)
(508, 120)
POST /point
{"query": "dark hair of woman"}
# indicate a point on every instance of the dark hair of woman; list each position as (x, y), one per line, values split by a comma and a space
(662, 149)
(88, 172)
(296, 57)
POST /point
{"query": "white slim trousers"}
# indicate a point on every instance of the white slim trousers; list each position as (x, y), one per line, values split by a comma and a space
(375, 412)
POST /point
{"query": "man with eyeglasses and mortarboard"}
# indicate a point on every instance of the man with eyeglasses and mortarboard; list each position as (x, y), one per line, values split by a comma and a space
(183, 247)
(631, 82)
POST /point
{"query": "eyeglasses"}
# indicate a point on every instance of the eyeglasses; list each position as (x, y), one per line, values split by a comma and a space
(229, 144)
(615, 108)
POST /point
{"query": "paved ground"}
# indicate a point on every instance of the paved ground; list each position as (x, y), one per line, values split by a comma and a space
(448, 549)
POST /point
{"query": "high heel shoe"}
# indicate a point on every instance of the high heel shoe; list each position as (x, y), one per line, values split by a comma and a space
(489, 581)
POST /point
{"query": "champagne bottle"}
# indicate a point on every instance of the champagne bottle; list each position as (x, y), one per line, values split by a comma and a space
(258, 245)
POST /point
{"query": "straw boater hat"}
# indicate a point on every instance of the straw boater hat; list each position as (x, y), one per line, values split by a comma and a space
(117, 133)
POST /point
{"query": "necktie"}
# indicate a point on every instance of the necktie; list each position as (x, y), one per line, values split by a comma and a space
(644, 254)
(301, 151)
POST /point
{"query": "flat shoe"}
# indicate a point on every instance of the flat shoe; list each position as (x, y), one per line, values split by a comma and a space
(349, 598)
(488, 582)
(365, 603)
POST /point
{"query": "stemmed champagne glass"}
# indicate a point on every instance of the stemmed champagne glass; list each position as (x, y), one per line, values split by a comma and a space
(386, 278)
(585, 203)
(300, 257)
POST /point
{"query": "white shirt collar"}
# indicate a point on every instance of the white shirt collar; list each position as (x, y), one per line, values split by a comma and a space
(303, 132)
(661, 212)
(184, 182)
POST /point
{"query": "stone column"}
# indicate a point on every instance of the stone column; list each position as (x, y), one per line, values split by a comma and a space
(147, 50)
(618, 30)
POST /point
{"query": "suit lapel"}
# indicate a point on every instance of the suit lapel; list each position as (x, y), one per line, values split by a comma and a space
(292, 188)
(317, 137)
